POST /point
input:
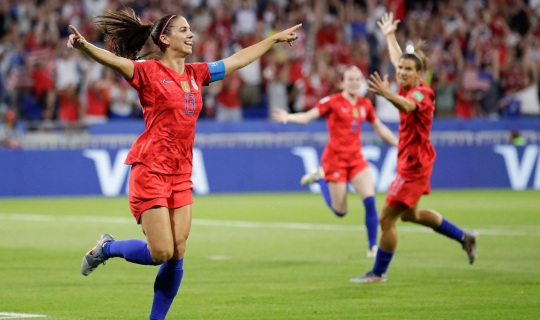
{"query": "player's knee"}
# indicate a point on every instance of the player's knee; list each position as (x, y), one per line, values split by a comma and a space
(341, 208)
(385, 222)
(179, 250)
(160, 256)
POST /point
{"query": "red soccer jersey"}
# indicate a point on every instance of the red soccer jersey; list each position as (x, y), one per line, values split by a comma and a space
(416, 155)
(344, 122)
(171, 105)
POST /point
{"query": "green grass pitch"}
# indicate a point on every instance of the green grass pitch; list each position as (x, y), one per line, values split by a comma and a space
(276, 256)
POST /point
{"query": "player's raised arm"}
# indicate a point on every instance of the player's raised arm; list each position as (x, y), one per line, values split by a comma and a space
(119, 64)
(247, 55)
(389, 26)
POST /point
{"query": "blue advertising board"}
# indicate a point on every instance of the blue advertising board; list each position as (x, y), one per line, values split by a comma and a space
(99, 171)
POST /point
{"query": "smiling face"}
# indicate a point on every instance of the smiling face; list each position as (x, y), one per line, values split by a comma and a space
(408, 76)
(352, 81)
(179, 38)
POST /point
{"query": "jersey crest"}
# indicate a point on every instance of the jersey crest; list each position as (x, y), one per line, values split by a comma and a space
(185, 86)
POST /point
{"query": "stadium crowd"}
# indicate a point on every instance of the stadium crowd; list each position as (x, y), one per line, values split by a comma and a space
(485, 56)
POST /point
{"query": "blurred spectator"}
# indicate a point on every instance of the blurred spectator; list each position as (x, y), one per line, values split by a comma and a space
(123, 101)
(97, 86)
(509, 106)
(276, 76)
(245, 17)
(69, 107)
(228, 105)
(251, 75)
(10, 132)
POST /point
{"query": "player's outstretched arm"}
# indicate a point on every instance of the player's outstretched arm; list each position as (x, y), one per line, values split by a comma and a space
(388, 26)
(247, 55)
(283, 116)
(119, 64)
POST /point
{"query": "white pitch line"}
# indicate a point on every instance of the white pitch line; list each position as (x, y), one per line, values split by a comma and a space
(11, 315)
(499, 231)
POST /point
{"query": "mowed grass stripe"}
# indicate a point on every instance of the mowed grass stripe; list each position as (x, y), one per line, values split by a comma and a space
(501, 231)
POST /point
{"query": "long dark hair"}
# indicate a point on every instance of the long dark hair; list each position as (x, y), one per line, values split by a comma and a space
(128, 35)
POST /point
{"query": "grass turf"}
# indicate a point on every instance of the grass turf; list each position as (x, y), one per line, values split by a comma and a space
(276, 256)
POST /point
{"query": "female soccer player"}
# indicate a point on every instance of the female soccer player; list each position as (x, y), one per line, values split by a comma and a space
(342, 159)
(160, 189)
(416, 155)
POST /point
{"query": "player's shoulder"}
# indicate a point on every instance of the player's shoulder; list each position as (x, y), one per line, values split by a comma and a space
(421, 92)
(150, 64)
(330, 98)
(325, 100)
(424, 88)
(196, 66)
(146, 62)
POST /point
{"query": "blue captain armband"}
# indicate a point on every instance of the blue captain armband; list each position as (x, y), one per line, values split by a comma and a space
(217, 70)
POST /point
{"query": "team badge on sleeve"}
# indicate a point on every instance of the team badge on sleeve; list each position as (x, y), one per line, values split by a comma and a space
(418, 96)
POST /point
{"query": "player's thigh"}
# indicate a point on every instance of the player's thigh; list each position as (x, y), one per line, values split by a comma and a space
(390, 214)
(338, 193)
(363, 183)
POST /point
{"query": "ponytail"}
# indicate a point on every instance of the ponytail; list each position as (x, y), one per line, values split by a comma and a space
(128, 34)
(125, 31)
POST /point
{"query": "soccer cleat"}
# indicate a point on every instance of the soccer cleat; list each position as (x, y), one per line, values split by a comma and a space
(312, 177)
(469, 244)
(372, 253)
(95, 257)
(368, 278)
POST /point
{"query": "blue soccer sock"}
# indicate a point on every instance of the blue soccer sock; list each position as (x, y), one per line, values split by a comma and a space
(450, 230)
(166, 287)
(372, 220)
(326, 195)
(382, 261)
(133, 250)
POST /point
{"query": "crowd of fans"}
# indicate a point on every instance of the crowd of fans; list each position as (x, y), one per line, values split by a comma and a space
(485, 56)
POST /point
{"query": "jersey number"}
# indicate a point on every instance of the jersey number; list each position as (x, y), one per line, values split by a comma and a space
(190, 103)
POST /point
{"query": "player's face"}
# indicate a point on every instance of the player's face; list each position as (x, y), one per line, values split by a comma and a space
(352, 81)
(407, 75)
(180, 37)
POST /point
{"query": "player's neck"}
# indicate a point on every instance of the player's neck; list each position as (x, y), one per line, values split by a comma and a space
(177, 64)
(350, 97)
(407, 88)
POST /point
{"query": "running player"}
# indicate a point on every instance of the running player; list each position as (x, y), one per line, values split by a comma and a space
(342, 160)
(160, 186)
(416, 155)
